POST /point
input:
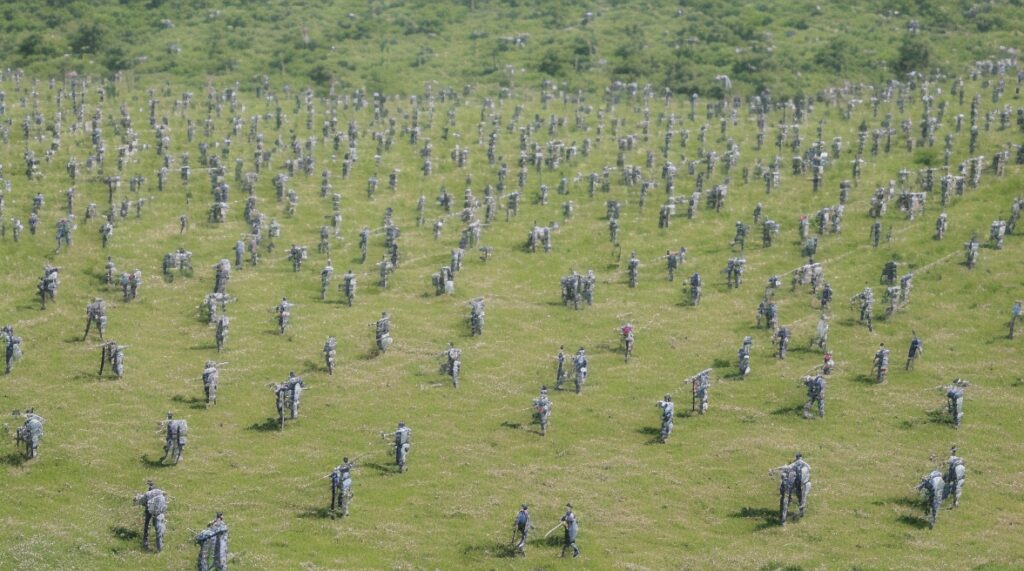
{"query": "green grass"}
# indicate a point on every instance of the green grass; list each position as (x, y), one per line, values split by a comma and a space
(702, 500)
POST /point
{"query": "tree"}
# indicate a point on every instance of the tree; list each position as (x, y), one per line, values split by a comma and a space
(87, 39)
(914, 55)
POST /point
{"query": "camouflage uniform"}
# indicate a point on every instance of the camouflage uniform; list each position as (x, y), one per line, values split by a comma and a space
(154, 504)
(668, 413)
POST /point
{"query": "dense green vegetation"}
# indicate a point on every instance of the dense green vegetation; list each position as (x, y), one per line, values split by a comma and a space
(704, 499)
(788, 47)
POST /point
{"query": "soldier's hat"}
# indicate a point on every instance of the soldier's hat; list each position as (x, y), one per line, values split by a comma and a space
(799, 455)
(568, 506)
(525, 507)
(219, 515)
(668, 397)
(170, 414)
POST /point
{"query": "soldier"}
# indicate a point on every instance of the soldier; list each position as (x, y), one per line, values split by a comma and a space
(383, 332)
(560, 371)
(932, 486)
(297, 254)
(794, 477)
(476, 316)
(542, 410)
(916, 350)
(1015, 314)
(106, 231)
(213, 545)
(787, 485)
(341, 486)
(222, 331)
(588, 283)
(210, 377)
(821, 333)
(956, 473)
(971, 249)
(700, 384)
(803, 480)
(325, 279)
(672, 262)
(330, 353)
(384, 267)
(866, 301)
(134, 281)
(95, 312)
(175, 437)
(815, 394)
(827, 363)
(30, 433)
(627, 339)
(876, 233)
(223, 274)
(744, 356)
(154, 505)
(880, 365)
(633, 267)
(403, 443)
(941, 224)
(955, 401)
(284, 314)
(348, 286)
(997, 233)
(580, 363)
(239, 254)
(112, 353)
(364, 238)
(741, 235)
(571, 529)
(112, 270)
(781, 338)
(12, 347)
(695, 289)
(826, 296)
(521, 527)
(289, 395)
(889, 273)
(452, 363)
(668, 413)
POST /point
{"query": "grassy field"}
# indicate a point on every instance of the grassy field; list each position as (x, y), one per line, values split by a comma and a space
(703, 500)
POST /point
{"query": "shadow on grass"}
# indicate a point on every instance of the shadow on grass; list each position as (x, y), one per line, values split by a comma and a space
(203, 347)
(865, 379)
(150, 463)
(311, 367)
(939, 416)
(513, 425)
(192, 402)
(124, 533)
(381, 468)
(797, 410)
(769, 517)
(913, 521)
(13, 459)
(488, 549)
(268, 425)
(721, 363)
(317, 513)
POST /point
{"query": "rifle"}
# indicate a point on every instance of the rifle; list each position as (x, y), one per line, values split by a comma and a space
(560, 524)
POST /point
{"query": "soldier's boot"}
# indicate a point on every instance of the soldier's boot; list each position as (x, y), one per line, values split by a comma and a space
(807, 410)
(345, 499)
(575, 551)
